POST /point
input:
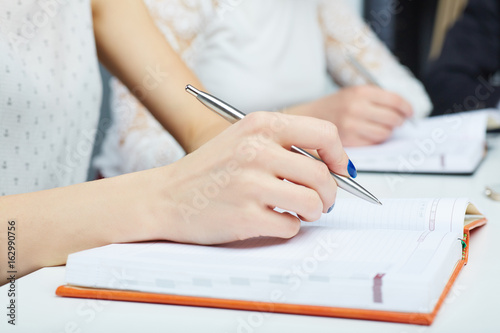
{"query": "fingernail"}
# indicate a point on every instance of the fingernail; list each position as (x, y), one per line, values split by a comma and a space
(352, 170)
(330, 209)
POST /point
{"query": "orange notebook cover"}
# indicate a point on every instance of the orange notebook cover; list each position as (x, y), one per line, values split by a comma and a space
(351, 313)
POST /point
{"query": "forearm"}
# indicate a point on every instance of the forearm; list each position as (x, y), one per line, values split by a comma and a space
(54, 223)
(204, 198)
(132, 48)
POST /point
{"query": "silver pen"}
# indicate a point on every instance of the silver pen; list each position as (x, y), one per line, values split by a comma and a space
(232, 115)
(363, 71)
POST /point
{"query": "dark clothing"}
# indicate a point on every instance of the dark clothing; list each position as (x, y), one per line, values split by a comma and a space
(459, 79)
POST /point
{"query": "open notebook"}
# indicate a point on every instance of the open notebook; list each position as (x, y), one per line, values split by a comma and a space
(394, 262)
(451, 144)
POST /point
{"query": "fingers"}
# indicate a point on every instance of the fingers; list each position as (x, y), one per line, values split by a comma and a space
(282, 225)
(373, 132)
(356, 141)
(304, 132)
(311, 174)
(295, 198)
(387, 99)
(372, 115)
(316, 176)
(364, 132)
(384, 116)
(313, 190)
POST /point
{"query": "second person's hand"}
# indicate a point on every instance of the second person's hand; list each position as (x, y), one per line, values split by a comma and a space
(364, 115)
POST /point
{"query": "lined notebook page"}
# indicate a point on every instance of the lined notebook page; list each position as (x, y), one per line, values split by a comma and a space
(449, 144)
(331, 262)
(407, 214)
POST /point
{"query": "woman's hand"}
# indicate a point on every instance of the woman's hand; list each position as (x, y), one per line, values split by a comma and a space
(364, 115)
(224, 191)
(228, 188)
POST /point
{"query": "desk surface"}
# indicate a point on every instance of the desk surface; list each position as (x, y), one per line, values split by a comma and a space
(472, 306)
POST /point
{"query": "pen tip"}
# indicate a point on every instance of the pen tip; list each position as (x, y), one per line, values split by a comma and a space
(192, 90)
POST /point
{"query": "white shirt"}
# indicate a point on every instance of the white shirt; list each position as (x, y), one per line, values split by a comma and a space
(50, 94)
(255, 55)
(264, 55)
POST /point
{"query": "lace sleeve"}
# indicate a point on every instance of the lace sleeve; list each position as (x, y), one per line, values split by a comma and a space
(347, 35)
(136, 140)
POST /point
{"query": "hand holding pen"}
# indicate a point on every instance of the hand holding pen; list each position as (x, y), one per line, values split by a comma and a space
(367, 75)
(233, 115)
(364, 115)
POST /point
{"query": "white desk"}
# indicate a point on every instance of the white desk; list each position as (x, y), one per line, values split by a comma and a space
(473, 304)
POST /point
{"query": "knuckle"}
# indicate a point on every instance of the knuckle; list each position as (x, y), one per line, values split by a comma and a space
(392, 99)
(386, 133)
(249, 185)
(320, 172)
(383, 134)
(312, 206)
(396, 101)
(264, 151)
(399, 121)
(400, 103)
(329, 131)
(255, 121)
(316, 215)
(393, 120)
(293, 228)
(351, 108)
(349, 126)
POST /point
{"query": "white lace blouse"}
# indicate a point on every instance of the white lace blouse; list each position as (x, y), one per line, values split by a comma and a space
(256, 55)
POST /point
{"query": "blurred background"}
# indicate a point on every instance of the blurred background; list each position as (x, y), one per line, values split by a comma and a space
(413, 30)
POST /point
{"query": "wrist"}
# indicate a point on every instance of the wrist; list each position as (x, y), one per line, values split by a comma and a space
(147, 201)
(157, 214)
(208, 132)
